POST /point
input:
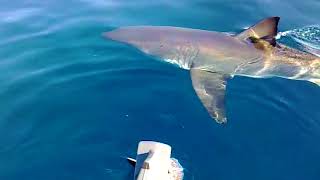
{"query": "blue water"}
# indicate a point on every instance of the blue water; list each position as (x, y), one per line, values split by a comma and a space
(73, 104)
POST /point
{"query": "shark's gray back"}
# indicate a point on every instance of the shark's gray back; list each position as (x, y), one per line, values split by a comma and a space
(190, 47)
(214, 57)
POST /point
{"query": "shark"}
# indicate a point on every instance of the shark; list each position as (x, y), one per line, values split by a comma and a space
(215, 57)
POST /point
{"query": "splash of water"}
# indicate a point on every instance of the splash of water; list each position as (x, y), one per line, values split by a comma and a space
(308, 37)
(176, 170)
(180, 63)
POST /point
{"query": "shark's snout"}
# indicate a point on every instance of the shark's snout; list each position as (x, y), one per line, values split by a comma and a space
(114, 35)
(134, 35)
(126, 34)
(107, 34)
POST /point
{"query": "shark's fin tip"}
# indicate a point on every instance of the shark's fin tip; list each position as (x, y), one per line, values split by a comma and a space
(266, 30)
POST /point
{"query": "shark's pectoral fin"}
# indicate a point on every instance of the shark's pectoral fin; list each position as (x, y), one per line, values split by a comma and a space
(265, 30)
(210, 88)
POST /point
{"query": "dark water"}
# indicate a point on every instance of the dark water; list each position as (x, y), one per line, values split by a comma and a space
(72, 104)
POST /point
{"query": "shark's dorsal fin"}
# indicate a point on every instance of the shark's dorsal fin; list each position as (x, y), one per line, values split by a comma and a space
(263, 44)
(266, 30)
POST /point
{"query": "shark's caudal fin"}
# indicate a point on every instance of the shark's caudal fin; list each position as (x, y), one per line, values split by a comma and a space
(265, 30)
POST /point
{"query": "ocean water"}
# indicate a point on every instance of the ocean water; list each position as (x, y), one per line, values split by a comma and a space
(73, 105)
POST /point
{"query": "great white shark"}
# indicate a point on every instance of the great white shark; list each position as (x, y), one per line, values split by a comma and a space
(214, 57)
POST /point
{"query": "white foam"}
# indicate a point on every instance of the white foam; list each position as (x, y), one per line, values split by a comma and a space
(176, 170)
(181, 64)
(308, 37)
(282, 34)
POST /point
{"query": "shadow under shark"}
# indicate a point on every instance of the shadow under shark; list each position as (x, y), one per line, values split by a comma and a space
(214, 57)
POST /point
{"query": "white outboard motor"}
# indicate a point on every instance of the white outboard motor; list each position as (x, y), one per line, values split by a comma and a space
(154, 162)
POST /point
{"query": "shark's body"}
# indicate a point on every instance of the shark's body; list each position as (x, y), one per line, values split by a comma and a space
(214, 57)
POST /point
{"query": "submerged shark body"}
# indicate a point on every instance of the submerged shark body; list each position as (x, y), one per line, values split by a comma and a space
(214, 57)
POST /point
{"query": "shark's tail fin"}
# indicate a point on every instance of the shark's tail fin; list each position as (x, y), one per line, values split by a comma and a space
(266, 30)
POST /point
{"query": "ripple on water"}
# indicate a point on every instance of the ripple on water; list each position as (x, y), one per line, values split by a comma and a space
(19, 15)
(271, 96)
(67, 95)
(307, 37)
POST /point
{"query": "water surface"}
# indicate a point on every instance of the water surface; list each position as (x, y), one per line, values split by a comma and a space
(73, 104)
